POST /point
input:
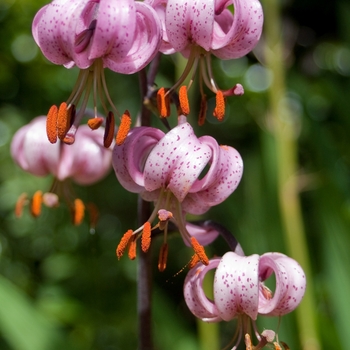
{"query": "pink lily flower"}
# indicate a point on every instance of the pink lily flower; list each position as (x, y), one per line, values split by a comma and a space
(240, 292)
(122, 35)
(85, 162)
(198, 29)
(169, 169)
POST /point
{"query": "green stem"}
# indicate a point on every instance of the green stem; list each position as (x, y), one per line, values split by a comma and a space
(285, 135)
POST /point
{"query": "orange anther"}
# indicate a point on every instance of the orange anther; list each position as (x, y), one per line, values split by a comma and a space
(69, 139)
(123, 243)
(163, 103)
(248, 342)
(219, 110)
(146, 237)
(163, 257)
(36, 203)
(278, 347)
(132, 248)
(93, 214)
(199, 250)
(95, 123)
(51, 124)
(63, 121)
(183, 98)
(124, 128)
(21, 201)
(193, 262)
(203, 111)
(109, 130)
(78, 211)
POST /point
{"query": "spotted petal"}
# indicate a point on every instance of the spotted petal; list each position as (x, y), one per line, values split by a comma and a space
(290, 284)
(236, 286)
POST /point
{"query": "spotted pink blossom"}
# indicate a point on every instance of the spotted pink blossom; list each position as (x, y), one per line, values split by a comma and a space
(239, 289)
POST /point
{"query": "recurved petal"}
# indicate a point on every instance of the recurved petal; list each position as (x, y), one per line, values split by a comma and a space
(86, 161)
(32, 151)
(145, 43)
(236, 286)
(290, 284)
(195, 298)
(240, 37)
(115, 28)
(129, 158)
(176, 161)
(46, 32)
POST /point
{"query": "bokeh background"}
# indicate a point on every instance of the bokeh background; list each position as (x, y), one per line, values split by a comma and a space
(62, 287)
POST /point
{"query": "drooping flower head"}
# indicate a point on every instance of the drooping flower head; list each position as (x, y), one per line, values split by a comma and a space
(228, 29)
(179, 172)
(240, 291)
(85, 162)
(122, 35)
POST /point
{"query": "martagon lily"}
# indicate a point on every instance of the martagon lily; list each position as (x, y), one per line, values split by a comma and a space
(240, 292)
(169, 169)
(122, 35)
(85, 162)
(199, 29)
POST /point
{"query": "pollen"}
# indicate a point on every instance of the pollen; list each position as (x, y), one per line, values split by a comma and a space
(109, 130)
(21, 202)
(51, 124)
(37, 201)
(132, 248)
(163, 103)
(95, 123)
(202, 110)
(63, 120)
(146, 237)
(124, 128)
(219, 110)
(123, 243)
(193, 262)
(163, 257)
(183, 98)
(78, 211)
(199, 250)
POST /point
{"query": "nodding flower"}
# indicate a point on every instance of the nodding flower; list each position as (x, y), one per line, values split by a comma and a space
(240, 292)
(85, 162)
(123, 36)
(180, 173)
(227, 29)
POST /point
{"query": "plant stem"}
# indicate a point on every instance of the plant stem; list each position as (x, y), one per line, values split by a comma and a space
(285, 135)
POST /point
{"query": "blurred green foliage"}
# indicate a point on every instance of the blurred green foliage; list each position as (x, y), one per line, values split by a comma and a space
(63, 288)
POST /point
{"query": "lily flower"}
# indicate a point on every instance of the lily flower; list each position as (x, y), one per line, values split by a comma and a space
(121, 35)
(179, 172)
(228, 29)
(85, 162)
(240, 292)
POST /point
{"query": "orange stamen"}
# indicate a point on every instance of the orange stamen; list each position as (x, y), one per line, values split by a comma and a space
(93, 214)
(124, 128)
(132, 248)
(78, 211)
(163, 256)
(63, 120)
(163, 103)
(21, 201)
(219, 110)
(266, 292)
(248, 342)
(183, 98)
(146, 237)
(109, 130)
(123, 244)
(95, 123)
(36, 203)
(193, 262)
(51, 124)
(277, 346)
(199, 250)
(203, 111)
